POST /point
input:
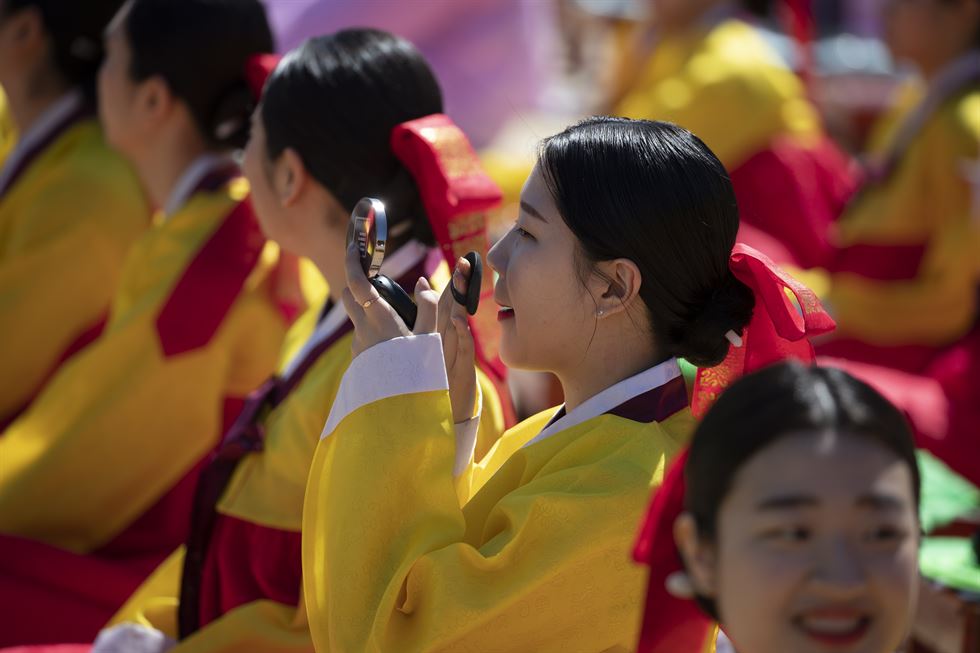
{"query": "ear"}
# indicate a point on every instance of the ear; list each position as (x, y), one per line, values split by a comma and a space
(698, 555)
(616, 285)
(289, 177)
(154, 100)
(27, 27)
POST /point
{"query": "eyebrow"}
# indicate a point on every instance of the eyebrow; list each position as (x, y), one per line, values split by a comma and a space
(795, 501)
(880, 502)
(787, 502)
(531, 211)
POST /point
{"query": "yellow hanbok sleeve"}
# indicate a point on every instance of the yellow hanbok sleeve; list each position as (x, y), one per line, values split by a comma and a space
(122, 423)
(68, 225)
(537, 561)
(929, 199)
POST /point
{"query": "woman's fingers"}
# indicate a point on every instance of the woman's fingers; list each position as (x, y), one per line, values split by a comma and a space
(357, 281)
(464, 338)
(428, 307)
(354, 310)
(462, 371)
(448, 306)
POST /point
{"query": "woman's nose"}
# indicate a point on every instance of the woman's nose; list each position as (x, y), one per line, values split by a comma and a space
(497, 256)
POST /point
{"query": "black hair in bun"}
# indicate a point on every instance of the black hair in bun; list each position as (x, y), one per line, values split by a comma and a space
(653, 193)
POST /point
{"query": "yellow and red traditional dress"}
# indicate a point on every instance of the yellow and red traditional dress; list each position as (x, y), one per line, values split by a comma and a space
(722, 81)
(903, 279)
(237, 583)
(495, 558)
(70, 209)
(99, 473)
(536, 559)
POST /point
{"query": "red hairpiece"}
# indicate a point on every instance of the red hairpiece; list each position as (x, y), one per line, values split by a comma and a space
(779, 329)
(258, 68)
(456, 193)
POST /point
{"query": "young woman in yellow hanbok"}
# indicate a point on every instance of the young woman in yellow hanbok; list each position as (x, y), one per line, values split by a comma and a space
(618, 263)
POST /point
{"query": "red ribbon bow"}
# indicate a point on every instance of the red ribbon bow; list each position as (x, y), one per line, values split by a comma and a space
(779, 329)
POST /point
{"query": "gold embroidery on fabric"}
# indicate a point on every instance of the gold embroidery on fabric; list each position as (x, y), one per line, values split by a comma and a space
(466, 225)
(455, 155)
(477, 243)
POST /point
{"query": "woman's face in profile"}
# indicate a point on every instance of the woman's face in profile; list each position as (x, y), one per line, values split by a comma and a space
(817, 547)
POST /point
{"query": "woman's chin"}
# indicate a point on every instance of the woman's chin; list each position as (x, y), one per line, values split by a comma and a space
(514, 354)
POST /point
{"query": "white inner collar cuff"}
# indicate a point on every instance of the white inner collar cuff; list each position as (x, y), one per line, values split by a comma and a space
(189, 180)
(613, 396)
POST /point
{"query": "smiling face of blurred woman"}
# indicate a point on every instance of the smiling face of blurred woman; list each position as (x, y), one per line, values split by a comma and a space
(816, 548)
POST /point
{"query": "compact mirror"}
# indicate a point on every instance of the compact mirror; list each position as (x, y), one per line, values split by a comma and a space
(369, 227)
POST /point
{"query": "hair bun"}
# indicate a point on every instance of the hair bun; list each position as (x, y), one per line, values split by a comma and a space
(229, 123)
(729, 308)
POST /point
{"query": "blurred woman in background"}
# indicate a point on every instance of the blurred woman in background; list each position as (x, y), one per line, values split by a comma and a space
(99, 474)
(704, 65)
(903, 278)
(69, 207)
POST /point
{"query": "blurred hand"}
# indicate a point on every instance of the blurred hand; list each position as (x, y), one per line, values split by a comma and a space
(132, 638)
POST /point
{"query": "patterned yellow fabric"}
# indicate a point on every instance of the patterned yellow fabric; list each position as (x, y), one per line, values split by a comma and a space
(725, 84)
(120, 424)
(65, 228)
(928, 200)
(537, 560)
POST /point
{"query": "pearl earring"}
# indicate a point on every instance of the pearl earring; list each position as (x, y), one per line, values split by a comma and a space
(600, 313)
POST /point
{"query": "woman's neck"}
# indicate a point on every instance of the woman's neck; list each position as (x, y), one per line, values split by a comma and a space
(935, 67)
(611, 358)
(28, 98)
(161, 167)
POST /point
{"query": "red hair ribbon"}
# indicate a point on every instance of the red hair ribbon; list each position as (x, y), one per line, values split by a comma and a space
(456, 193)
(258, 68)
(786, 314)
